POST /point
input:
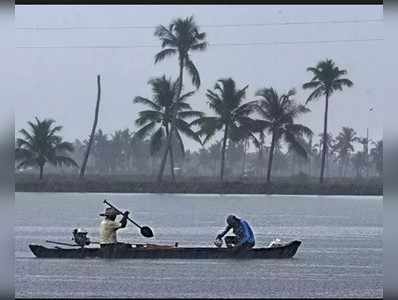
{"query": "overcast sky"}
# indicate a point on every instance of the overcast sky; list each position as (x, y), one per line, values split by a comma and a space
(60, 83)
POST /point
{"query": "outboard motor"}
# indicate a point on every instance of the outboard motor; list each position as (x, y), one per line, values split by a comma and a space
(80, 237)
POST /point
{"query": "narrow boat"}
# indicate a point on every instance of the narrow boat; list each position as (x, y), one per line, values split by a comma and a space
(165, 252)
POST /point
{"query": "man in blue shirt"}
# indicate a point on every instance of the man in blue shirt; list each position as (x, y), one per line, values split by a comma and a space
(243, 238)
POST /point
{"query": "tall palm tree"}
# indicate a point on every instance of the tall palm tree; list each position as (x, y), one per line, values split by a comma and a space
(278, 115)
(156, 122)
(326, 80)
(231, 115)
(180, 38)
(42, 145)
(344, 146)
(329, 149)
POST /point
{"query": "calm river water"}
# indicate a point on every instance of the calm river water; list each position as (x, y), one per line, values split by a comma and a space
(341, 254)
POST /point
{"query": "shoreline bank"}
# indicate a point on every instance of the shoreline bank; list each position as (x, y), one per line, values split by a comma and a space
(113, 184)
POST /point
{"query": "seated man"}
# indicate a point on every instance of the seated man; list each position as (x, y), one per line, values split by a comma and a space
(109, 227)
(244, 237)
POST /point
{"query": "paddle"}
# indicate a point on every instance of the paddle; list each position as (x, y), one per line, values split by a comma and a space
(145, 230)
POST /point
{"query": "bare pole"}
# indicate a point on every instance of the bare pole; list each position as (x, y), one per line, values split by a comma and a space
(83, 169)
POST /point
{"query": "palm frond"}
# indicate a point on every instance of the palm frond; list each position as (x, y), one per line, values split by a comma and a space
(312, 84)
(60, 160)
(25, 144)
(298, 129)
(186, 95)
(190, 114)
(200, 46)
(185, 128)
(27, 135)
(54, 130)
(23, 154)
(295, 145)
(191, 68)
(144, 131)
(164, 53)
(315, 94)
(151, 115)
(147, 102)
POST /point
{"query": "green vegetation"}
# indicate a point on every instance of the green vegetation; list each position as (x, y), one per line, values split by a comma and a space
(299, 184)
(131, 161)
(180, 38)
(157, 121)
(278, 113)
(327, 79)
(42, 146)
(232, 115)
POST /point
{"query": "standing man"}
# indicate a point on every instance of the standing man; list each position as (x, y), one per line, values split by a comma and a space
(243, 238)
(108, 229)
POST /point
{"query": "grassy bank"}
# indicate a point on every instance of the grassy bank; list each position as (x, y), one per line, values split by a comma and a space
(139, 184)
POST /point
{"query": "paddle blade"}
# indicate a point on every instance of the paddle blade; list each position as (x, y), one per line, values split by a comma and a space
(146, 231)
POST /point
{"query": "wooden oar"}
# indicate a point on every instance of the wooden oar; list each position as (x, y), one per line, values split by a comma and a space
(145, 230)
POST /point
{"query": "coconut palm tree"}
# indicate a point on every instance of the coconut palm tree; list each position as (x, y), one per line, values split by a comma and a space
(329, 149)
(231, 115)
(344, 146)
(278, 115)
(326, 80)
(42, 145)
(180, 38)
(156, 122)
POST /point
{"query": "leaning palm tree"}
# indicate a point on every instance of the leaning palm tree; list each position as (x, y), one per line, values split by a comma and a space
(42, 145)
(278, 115)
(180, 38)
(156, 121)
(327, 79)
(232, 116)
(93, 129)
(344, 146)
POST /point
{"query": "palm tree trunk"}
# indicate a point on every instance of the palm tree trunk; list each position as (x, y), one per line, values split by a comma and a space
(172, 164)
(83, 168)
(271, 157)
(325, 130)
(41, 172)
(171, 157)
(173, 120)
(224, 144)
(244, 157)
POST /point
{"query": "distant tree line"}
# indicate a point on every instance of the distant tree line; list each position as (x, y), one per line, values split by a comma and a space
(168, 116)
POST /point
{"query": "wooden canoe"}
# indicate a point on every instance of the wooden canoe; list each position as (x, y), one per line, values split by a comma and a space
(130, 252)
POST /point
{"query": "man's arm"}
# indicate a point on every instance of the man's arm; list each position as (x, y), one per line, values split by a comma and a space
(123, 221)
(224, 232)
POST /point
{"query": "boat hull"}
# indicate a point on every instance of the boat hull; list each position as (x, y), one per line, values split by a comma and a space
(286, 251)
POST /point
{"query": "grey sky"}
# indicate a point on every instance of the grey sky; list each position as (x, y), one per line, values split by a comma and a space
(61, 83)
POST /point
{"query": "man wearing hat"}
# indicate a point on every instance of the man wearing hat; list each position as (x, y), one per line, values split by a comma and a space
(243, 238)
(109, 226)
